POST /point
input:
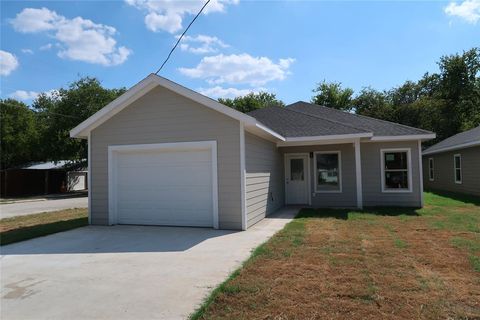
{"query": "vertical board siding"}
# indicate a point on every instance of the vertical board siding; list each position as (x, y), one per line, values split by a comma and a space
(444, 178)
(264, 178)
(163, 116)
(372, 176)
(347, 198)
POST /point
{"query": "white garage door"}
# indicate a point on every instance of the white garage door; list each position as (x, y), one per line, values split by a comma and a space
(164, 186)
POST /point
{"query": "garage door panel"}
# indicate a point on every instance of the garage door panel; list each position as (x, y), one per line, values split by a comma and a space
(164, 187)
(165, 158)
(171, 176)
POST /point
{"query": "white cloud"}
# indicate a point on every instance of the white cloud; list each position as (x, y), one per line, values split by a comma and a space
(469, 10)
(32, 20)
(80, 39)
(239, 69)
(220, 92)
(48, 46)
(28, 51)
(29, 95)
(167, 15)
(201, 44)
(8, 63)
(24, 95)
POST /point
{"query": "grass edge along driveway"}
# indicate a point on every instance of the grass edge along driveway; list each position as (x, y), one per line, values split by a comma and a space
(378, 262)
(31, 226)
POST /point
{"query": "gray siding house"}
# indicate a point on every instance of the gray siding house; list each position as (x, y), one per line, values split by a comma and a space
(454, 164)
(162, 154)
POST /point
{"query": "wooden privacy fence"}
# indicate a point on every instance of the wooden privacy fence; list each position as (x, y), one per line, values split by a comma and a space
(28, 182)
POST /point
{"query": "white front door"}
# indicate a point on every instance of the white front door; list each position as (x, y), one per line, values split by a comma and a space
(296, 178)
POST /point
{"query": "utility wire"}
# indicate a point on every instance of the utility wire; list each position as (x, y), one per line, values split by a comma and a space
(181, 36)
(44, 112)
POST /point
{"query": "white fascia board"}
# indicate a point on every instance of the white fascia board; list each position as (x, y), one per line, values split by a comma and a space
(132, 94)
(404, 138)
(141, 88)
(330, 139)
(269, 131)
(451, 148)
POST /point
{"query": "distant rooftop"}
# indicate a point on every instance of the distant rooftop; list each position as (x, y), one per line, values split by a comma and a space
(464, 139)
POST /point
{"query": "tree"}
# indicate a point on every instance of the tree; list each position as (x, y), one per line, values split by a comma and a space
(447, 102)
(252, 101)
(18, 134)
(332, 95)
(58, 113)
(373, 103)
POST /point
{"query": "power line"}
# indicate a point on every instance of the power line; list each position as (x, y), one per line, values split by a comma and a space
(43, 111)
(181, 36)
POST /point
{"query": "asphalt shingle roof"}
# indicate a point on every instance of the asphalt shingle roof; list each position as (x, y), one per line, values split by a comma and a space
(306, 119)
(290, 123)
(471, 135)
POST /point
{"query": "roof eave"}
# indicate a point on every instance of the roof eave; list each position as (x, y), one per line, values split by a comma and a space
(452, 148)
(427, 136)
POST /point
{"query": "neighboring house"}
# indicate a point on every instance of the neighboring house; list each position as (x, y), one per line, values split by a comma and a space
(42, 178)
(454, 164)
(162, 154)
(76, 176)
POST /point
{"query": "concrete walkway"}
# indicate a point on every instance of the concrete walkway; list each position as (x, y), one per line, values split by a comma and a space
(41, 205)
(123, 272)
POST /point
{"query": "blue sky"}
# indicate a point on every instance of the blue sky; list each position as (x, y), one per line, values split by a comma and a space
(234, 47)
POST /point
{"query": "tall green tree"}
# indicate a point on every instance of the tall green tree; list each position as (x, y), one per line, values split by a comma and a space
(58, 113)
(19, 138)
(373, 103)
(446, 102)
(333, 95)
(252, 101)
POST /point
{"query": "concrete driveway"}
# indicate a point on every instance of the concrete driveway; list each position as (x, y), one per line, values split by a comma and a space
(123, 272)
(41, 205)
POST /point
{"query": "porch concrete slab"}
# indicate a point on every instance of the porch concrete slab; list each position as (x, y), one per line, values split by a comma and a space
(124, 272)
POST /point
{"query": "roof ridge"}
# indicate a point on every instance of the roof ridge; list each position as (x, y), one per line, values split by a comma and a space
(363, 116)
(329, 120)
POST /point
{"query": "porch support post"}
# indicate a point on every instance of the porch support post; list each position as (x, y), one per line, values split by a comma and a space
(358, 171)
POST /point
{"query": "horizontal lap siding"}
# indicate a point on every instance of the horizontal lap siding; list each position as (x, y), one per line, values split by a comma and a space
(264, 178)
(162, 116)
(348, 197)
(444, 178)
(372, 173)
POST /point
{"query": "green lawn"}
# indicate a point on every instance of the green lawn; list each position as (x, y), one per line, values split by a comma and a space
(36, 225)
(396, 263)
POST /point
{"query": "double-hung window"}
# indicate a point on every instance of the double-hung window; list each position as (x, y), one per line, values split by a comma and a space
(396, 170)
(328, 171)
(431, 169)
(457, 164)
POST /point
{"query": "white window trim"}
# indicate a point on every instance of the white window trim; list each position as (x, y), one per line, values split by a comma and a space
(431, 169)
(339, 171)
(112, 174)
(457, 155)
(409, 170)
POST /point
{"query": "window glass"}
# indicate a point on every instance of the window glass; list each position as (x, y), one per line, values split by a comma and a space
(430, 167)
(458, 175)
(296, 169)
(395, 160)
(327, 172)
(396, 180)
(458, 168)
(396, 170)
